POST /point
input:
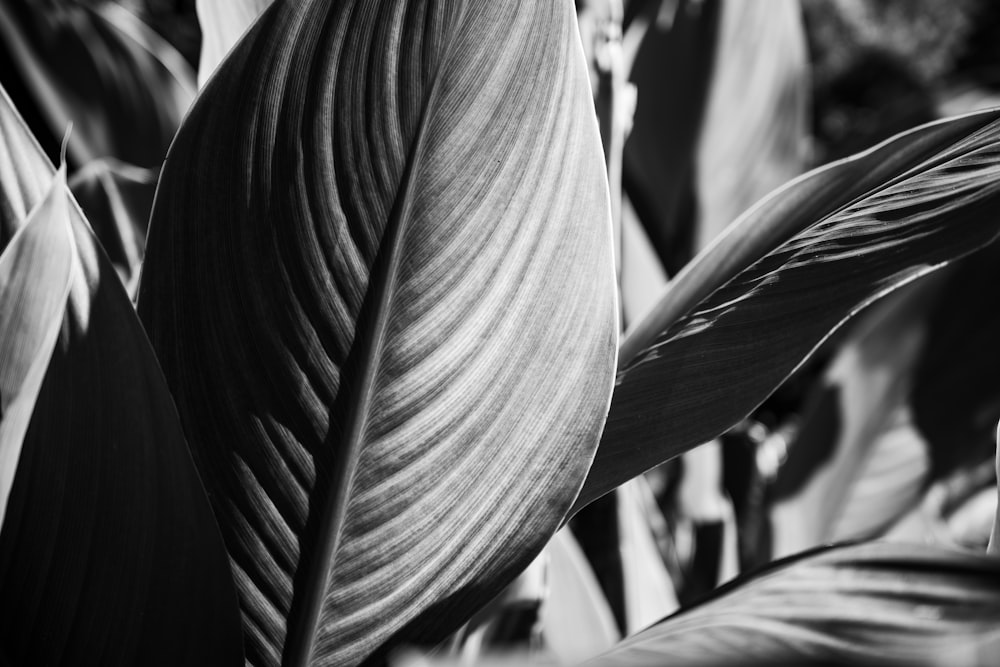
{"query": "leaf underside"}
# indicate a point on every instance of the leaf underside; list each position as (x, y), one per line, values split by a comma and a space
(755, 304)
(109, 553)
(379, 280)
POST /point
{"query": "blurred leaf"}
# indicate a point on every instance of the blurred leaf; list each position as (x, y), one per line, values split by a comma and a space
(116, 199)
(398, 269)
(890, 483)
(754, 133)
(649, 592)
(122, 86)
(870, 602)
(576, 620)
(851, 471)
(744, 314)
(222, 25)
(109, 553)
(642, 276)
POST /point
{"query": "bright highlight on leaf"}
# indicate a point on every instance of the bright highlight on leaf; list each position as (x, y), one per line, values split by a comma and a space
(380, 282)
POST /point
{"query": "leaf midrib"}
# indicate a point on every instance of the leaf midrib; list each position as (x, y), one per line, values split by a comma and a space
(301, 635)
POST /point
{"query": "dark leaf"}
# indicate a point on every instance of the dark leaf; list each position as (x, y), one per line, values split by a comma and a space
(109, 553)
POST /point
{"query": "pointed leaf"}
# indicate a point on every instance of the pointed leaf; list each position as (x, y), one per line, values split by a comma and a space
(385, 229)
(109, 553)
(871, 602)
(744, 314)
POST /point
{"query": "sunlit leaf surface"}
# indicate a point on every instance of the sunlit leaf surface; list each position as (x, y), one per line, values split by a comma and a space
(379, 279)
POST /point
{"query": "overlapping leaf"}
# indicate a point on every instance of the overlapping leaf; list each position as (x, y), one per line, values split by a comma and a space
(757, 302)
(109, 553)
(379, 280)
(904, 603)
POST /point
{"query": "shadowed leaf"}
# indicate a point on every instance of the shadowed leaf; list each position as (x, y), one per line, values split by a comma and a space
(109, 553)
(122, 86)
(385, 229)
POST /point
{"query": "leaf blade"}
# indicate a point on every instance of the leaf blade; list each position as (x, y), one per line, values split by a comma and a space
(415, 267)
(878, 220)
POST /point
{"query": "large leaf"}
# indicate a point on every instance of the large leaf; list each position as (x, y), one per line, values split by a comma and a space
(745, 313)
(122, 86)
(109, 553)
(905, 603)
(379, 279)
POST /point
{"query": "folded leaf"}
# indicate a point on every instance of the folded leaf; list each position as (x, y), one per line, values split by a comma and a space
(109, 553)
(379, 278)
(755, 304)
(903, 603)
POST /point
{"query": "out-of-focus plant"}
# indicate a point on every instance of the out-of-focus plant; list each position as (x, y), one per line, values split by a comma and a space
(379, 288)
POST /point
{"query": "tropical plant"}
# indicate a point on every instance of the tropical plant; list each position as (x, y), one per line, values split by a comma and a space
(375, 363)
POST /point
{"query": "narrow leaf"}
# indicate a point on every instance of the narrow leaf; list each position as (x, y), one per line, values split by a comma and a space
(744, 314)
(898, 603)
(380, 281)
(109, 553)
